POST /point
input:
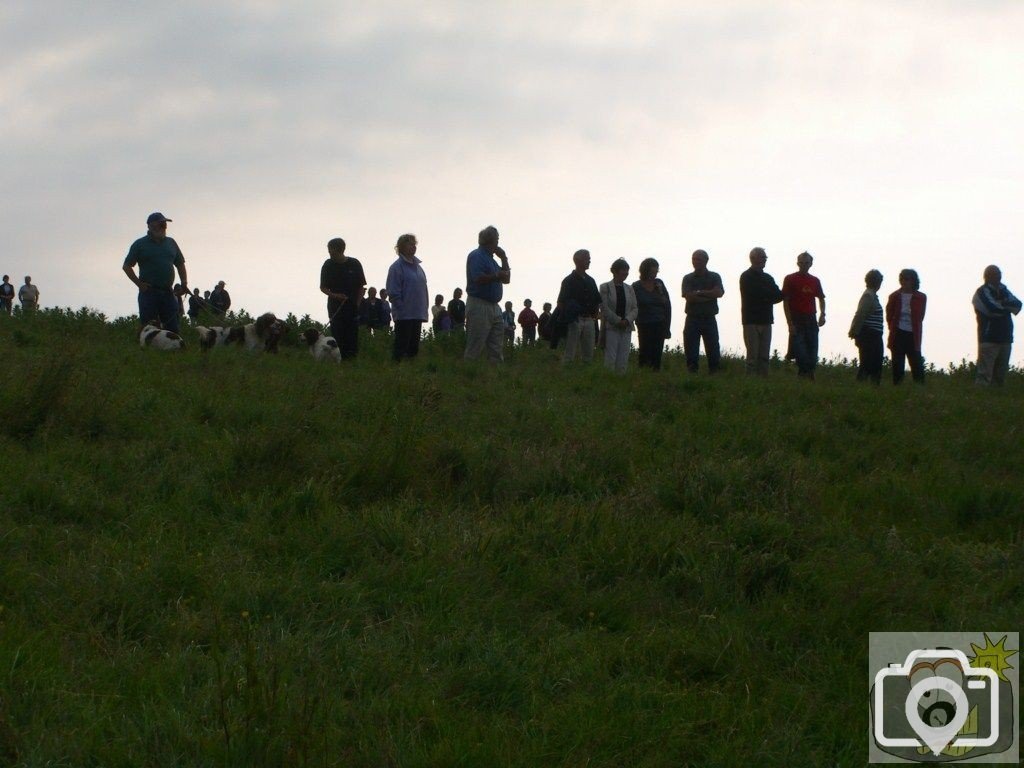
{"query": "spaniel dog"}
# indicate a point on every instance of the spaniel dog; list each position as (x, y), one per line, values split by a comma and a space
(320, 346)
(152, 335)
(264, 334)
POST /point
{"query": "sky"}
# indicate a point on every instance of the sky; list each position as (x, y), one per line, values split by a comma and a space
(871, 134)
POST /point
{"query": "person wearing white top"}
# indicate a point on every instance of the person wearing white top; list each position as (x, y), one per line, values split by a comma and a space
(619, 309)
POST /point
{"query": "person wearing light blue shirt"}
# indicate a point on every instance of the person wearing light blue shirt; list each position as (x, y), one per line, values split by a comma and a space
(410, 302)
(484, 281)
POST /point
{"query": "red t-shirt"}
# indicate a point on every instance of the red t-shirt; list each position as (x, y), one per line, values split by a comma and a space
(528, 318)
(801, 290)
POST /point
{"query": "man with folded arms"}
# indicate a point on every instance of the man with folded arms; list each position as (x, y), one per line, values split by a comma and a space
(994, 307)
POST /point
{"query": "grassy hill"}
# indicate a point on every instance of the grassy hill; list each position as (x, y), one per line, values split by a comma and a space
(258, 560)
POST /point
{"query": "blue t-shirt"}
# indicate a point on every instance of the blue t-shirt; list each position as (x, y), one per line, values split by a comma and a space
(156, 259)
(480, 262)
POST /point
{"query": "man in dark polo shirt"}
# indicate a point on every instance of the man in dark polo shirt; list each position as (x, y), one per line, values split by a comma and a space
(702, 289)
(157, 256)
(579, 300)
(343, 281)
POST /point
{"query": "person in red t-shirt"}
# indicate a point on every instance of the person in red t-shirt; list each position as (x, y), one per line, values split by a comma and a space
(528, 322)
(799, 291)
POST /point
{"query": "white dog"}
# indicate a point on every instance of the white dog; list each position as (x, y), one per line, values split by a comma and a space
(320, 346)
(154, 336)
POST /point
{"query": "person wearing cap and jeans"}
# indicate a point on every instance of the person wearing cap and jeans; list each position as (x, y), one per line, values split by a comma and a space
(157, 256)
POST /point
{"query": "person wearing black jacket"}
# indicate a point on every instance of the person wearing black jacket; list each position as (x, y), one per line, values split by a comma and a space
(343, 282)
(579, 300)
(758, 294)
(220, 299)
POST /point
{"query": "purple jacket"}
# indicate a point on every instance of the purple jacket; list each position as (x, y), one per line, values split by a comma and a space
(407, 291)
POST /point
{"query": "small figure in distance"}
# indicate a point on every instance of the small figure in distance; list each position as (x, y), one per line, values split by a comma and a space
(484, 281)
(758, 293)
(528, 321)
(799, 290)
(508, 323)
(407, 287)
(866, 329)
(369, 311)
(220, 299)
(457, 311)
(544, 323)
(702, 289)
(619, 309)
(195, 305)
(342, 281)
(7, 295)
(157, 257)
(441, 321)
(654, 315)
(904, 313)
(385, 311)
(994, 307)
(579, 300)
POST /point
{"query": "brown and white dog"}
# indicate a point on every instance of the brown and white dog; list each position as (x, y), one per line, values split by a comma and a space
(152, 335)
(320, 346)
(264, 334)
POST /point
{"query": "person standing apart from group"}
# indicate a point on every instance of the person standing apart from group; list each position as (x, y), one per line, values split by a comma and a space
(342, 281)
(799, 292)
(579, 300)
(410, 301)
(904, 313)
(619, 310)
(758, 294)
(994, 307)
(28, 295)
(866, 329)
(653, 317)
(6, 295)
(157, 256)
(702, 289)
(484, 281)
(220, 299)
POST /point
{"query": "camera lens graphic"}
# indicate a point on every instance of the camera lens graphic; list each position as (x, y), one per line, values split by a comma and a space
(938, 737)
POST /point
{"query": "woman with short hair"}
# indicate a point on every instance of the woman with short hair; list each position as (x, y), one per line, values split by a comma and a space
(654, 315)
(866, 329)
(904, 313)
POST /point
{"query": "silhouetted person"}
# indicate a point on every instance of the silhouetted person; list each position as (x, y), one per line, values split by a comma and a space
(799, 292)
(220, 299)
(457, 311)
(904, 313)
(342, 281)
(866, 329)
(994, 307)
(528, 321)
(579, 301)
(157, 257)
(701, 289)
(758, 293)
(407, 287)
(6, 295)
(484, 281)
(654, 315)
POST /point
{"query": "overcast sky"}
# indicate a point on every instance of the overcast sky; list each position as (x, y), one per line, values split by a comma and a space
(873, 134)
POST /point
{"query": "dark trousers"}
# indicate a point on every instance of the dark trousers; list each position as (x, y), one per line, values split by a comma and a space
(529, 334)
(904, 349)
(407, 338)
(650, 341)
(804, 338)
(869, 345)
(345, 330)
(695, 329)
(160, 305)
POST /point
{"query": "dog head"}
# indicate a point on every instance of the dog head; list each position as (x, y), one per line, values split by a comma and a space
(310, 335)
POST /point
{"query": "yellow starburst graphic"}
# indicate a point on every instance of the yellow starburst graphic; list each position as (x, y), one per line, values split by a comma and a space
(992, 656)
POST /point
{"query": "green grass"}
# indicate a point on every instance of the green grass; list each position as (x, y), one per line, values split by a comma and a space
(234, 559)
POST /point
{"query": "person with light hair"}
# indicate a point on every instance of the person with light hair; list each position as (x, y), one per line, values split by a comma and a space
(994, 307)
(410, 299)
(579, 301)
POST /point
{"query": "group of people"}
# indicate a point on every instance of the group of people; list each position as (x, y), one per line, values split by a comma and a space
(216, 302)
(28, 295)
(620, 308)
